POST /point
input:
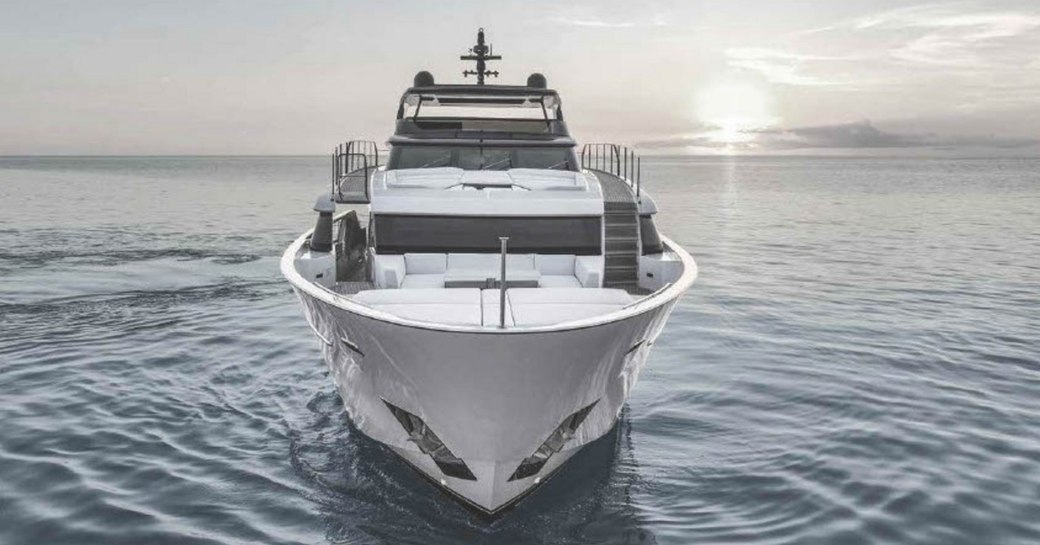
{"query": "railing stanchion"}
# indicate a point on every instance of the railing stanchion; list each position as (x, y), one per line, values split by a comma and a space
(631, 165)
(639, 175)
(624, 168)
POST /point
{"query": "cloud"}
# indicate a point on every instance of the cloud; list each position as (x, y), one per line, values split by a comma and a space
(587, 19)
(781, 67)
(862, 135)
(979, 25)
(592, 23)
(936, 58)
(948, 36)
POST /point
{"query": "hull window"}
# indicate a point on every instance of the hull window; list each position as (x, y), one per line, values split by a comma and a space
(535, 462)
(430, 444)
(462, 234)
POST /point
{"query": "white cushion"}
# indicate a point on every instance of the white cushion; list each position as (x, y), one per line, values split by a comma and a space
(453, 276)
(425, 263)
(468, 275)
(437, 314)
(589, 270)
(555, 264)
(518, 261)
(473, 261)
(546, 314)
(388, 270)
(417, 281)
(457, 306)
(429, 178)
(542, 179)
(542, 306)
(609, 296)
(492, 263)
(558, 281)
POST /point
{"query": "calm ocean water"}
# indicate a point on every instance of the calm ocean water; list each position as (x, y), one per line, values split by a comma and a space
(859, 362)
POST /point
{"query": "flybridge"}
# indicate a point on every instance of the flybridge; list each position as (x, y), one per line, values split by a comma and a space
(502, 96)
(507, 111)
(483, 112)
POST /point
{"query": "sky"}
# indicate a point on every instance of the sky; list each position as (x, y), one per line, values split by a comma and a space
(213, 77)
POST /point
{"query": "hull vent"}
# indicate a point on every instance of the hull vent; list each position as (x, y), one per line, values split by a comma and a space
(430, 444)
(535, 462)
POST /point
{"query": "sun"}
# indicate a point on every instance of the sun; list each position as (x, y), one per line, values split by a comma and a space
(734, 110)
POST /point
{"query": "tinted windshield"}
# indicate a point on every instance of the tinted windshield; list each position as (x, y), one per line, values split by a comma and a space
(482, 157)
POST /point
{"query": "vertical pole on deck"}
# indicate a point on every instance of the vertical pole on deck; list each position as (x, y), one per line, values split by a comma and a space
(639, 175)
(624, 164)
(502, 286)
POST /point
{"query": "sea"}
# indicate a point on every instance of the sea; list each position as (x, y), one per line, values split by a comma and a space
(858, 362)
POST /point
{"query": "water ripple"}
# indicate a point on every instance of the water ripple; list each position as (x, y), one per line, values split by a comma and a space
(857, 364)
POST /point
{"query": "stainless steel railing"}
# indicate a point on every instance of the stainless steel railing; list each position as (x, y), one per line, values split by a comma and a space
(352, 165)
(614, 159)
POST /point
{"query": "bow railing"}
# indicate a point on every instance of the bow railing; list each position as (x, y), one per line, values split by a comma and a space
(352, 166)
(614, 159)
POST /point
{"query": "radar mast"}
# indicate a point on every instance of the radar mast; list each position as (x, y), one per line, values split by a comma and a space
(480, 53)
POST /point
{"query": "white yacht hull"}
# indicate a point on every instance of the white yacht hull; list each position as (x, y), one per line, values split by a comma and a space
(492, 398)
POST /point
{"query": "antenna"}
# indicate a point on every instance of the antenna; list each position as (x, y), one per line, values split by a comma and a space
(480, 53)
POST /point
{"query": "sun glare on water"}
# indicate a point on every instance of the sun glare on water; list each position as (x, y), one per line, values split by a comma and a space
(734, 110)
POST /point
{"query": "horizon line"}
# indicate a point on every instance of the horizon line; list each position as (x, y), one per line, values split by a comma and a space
(947, 155)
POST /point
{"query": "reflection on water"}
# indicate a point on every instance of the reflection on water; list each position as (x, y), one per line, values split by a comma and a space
(856, 363)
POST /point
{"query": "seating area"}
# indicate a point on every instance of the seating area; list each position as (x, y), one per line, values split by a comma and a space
(462, 288)
(476, 307)
(462, 270)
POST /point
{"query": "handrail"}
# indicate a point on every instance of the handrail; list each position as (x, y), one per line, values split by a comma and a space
(614, 159)
(350, 158)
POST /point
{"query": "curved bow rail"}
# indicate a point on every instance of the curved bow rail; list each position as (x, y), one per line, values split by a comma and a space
(352, 165)
(614, 159)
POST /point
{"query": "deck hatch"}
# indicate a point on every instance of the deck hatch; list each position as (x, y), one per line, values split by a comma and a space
(563, 433)
(431, 445)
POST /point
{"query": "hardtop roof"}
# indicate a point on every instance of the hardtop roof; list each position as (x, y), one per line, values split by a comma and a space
(491, 90)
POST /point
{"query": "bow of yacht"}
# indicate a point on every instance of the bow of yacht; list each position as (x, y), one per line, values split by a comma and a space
(488, 294)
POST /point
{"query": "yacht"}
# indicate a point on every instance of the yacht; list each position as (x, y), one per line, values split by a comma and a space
(486, 292)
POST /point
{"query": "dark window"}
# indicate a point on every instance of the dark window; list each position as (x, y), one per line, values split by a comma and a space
(430, 444)
(555, 158)
(570, 235)
(422, 157)
(482, 157)
(648, 234)
(534, 463)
